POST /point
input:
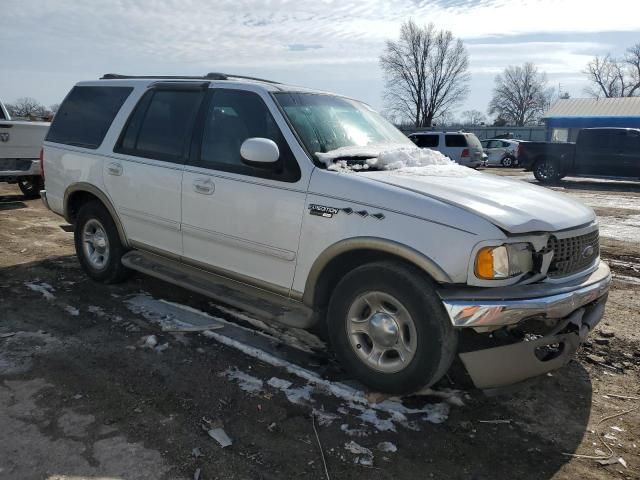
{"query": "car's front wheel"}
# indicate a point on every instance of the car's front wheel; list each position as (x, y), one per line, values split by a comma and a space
(98, 244)
(389, 329)
(508, 161)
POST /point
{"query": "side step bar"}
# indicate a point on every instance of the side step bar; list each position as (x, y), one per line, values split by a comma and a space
(264, 305)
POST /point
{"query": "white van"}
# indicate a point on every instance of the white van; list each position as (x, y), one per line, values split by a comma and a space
(461, 147)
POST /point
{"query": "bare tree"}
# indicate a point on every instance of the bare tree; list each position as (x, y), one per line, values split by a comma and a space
(611, 77)
(26, 107)
(426, 73)
(54, 108)
(473, 117)
(520, 95)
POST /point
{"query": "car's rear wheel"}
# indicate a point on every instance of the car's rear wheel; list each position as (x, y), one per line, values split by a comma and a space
(389, 329)
(31, 186)
(508, 161)
(546, 171)
(98, 244)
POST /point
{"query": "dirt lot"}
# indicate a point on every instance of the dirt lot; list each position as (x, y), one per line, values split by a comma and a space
(82, 396)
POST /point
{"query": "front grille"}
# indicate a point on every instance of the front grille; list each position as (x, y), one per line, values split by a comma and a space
(13, 164)
(573, 254)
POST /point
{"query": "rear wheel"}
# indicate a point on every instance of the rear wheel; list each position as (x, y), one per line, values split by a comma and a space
(31, 186)
(546, 171)
(508, 161)
(389, 328)
(98, 244)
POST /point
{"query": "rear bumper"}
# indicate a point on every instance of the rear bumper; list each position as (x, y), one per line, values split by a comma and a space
(33, 170)
(482, 312)
(43, 196)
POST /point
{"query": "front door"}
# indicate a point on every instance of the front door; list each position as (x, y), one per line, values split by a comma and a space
(144, 176)
(240, 220)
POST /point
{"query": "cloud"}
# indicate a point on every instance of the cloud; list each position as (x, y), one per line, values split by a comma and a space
(301, 47)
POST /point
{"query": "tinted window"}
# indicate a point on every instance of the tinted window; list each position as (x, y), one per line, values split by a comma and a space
(455, 141)
(160, 126)
(232, 117)
(427, 141)
(631, 142)
(86, 115)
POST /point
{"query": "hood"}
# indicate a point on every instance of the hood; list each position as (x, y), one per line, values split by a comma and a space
(513, 205)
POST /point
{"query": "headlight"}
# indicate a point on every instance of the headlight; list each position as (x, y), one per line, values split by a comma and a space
(506, 261)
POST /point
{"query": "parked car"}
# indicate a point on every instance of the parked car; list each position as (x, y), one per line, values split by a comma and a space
(20, 144)
(463, 148)
(608, 152)
(227, 186)
(500, 152)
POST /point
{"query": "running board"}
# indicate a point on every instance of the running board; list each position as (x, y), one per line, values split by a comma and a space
(265, 305)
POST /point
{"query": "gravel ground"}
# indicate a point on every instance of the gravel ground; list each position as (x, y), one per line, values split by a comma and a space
(83, 396)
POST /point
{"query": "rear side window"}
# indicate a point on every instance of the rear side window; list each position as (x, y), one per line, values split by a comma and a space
(426, 141)
(160, 126)
(455, 141)
(86, 115)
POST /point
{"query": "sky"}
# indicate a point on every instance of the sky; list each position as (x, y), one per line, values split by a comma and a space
(49, 45)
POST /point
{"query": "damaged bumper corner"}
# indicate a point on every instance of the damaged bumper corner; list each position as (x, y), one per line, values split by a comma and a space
(514, 363)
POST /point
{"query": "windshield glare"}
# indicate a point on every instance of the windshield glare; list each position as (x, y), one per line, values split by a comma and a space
(326, 122)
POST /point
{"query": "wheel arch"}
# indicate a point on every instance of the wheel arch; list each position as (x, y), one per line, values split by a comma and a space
(80, 193)
(340, 258)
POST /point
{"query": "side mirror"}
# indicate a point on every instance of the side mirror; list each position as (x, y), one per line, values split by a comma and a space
(259, 152)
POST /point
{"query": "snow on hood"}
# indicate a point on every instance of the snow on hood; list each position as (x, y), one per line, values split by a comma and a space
(400, 158)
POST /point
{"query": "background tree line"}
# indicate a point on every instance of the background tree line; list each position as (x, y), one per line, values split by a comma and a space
(27, 107)
(426, 73)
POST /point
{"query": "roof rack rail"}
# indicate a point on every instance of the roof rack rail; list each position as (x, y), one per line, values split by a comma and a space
(208, 76)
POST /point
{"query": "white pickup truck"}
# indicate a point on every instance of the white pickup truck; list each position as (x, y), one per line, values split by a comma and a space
(20, 144)
(308, 208)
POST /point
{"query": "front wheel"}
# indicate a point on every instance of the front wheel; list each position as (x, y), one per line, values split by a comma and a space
(98, 244)
(389, 329)
(546, 171)
(30, 186)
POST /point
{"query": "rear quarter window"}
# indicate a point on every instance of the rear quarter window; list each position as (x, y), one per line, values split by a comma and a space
(86, 115)
(455, 141)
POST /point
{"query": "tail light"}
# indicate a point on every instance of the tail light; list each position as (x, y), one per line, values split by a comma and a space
(465, 153)
(42, 162)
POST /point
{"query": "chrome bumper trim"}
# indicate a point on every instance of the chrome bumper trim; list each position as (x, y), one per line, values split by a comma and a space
(497, 313)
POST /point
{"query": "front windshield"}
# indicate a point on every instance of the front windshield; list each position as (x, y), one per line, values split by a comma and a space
(326, 122)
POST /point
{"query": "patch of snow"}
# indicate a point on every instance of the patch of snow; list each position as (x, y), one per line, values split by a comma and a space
(72, 310)
(324, 418)
(247, 382)
(387, 447)
(364, 456)
(401, 159)
(97, 311)
(626, 229)
(279, 383)
(353, 432)
(44, 288)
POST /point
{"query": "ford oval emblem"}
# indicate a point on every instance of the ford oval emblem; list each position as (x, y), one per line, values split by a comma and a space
(588, 251)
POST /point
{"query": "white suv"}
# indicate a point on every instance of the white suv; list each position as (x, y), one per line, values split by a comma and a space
(461, 147)
(305, 208)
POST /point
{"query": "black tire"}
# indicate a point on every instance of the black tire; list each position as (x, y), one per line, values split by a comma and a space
(30, 186)
(95, 213)
(508, 161)
(547, 171)
(436, 340)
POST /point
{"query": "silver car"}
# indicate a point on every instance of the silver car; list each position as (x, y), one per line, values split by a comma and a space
(500, 152)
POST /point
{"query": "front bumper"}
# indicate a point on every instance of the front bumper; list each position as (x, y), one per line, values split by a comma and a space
(574, 309)
(490, 308)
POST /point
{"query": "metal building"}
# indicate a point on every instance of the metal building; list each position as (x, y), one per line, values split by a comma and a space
(566, 117)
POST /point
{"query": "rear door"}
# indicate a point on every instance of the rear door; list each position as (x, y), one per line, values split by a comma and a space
(600, 152)
(629, 163)
(144, 176)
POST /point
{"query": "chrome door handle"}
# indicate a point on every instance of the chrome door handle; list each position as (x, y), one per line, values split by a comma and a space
(204, 186)
(114, 169)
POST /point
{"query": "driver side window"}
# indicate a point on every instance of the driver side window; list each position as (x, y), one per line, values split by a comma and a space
(233, 116)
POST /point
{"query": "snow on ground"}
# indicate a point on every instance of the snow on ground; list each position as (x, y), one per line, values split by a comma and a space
(44, 288)
(383, 416)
